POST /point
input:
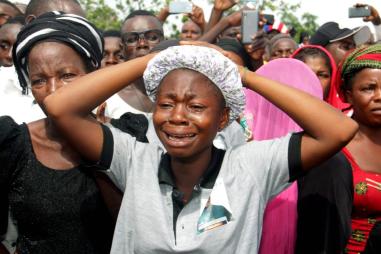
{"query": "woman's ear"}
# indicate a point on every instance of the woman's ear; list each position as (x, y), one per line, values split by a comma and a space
(224, 121)
(30, 18)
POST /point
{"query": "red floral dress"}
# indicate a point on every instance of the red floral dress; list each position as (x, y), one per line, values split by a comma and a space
(366, 207)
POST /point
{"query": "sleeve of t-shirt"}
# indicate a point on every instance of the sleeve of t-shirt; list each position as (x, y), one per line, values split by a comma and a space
(117, 154)
(273, 164)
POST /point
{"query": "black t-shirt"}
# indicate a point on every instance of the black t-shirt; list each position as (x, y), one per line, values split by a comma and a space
(56, 211)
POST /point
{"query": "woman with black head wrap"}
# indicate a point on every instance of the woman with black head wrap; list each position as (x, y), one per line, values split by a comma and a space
(53, 198)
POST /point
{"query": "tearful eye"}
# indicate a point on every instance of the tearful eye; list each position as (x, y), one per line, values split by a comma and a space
(38, 82)
(165, 105)
(197, 107)
(368, 88)
(67, 76)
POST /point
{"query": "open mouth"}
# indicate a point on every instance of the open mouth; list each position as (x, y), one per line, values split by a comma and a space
(180, 136)
(179, 139)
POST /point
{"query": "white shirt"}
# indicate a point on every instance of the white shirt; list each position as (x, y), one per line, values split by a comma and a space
(116, 107)
(21, 108)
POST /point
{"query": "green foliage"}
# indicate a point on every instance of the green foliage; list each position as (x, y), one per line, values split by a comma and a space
(106, 17)
(286, 12)
(101, 15)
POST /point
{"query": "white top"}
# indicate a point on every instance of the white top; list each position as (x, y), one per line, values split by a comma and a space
(116, 107)
(21, 108)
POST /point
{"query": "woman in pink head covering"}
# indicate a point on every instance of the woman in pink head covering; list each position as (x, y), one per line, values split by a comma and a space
(280, 219)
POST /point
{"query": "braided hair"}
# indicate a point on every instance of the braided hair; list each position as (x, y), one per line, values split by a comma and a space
(70, 29)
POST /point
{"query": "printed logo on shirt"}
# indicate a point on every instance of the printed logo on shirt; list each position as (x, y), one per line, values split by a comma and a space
(216, 212)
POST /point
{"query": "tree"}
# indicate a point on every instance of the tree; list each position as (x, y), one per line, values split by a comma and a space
(286, 12)
(101, 15)
(106, 17)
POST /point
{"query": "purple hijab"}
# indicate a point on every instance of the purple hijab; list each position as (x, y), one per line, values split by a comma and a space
(268, 122)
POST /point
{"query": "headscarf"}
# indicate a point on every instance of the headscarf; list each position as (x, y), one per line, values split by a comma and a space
(70, 29)
(333, 94)
(369, 57)
(270, 122)
(207, 61)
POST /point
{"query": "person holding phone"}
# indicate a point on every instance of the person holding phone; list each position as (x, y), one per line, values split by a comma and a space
(374, 17)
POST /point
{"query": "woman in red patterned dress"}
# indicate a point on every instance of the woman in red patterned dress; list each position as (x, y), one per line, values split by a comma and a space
(361, 87)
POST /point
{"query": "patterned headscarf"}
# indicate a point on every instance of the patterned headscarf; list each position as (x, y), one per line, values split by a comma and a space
(368, 57)
(70, 29)
(207, 61)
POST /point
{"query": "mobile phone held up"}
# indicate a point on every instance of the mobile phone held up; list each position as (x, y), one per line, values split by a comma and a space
(176, 7)
(358, 12)
(249, 25)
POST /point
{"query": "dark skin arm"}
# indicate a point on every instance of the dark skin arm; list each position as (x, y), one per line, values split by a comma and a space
(218, 9)
(163, 14)
(197, 16)
(70, 106)
(326, 129)
(231, 20)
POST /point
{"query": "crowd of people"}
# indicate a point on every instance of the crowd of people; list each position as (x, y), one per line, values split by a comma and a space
(132, 142)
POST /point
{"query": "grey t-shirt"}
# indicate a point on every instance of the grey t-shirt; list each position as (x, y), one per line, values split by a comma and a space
(249, 176)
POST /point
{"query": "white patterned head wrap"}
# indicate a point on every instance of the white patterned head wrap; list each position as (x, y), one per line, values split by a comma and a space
(207, 61)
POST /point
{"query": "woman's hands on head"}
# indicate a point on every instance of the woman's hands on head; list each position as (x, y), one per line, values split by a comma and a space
(205, 44)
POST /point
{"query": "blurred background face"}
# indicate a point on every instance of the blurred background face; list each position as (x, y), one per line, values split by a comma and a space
(6, 12)
(231, 32)
(190, 31)
(283, 48)
(8, 35)
(64, 6)
(113, 51)
(320, 67)
(149, 30)
(339, 49)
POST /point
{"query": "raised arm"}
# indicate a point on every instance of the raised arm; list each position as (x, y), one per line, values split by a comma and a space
(197, 16)
(218, 9)
(163, 14)
(326, 129)
(233, 19)
(70, 106)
